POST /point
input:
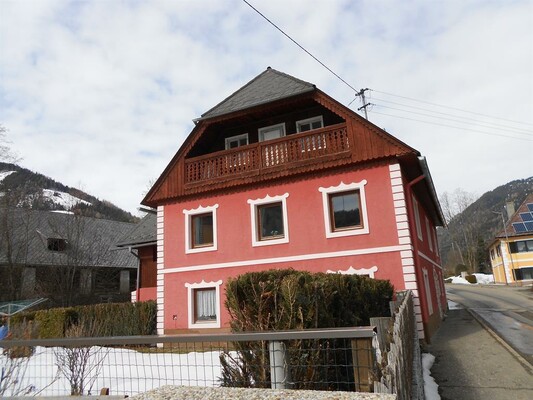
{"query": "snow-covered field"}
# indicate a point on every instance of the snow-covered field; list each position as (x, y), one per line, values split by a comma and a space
(124, 372)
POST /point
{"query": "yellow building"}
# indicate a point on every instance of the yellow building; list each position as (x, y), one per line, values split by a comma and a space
(511, 252)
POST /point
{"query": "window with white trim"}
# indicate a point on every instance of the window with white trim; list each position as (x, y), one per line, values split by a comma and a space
(428, 230)
(269, 220)
(344, 209)
(428, 291)
(309, 124)
(201, 229)
(203, 304)
(417, 218)
(236, 141)
(271, 132)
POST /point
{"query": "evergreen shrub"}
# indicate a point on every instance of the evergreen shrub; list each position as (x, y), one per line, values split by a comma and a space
(286, 299)
(471, 278)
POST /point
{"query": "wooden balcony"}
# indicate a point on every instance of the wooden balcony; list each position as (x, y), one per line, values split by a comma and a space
(280, 156)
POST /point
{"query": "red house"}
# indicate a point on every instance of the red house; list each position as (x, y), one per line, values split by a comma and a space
(280, 175)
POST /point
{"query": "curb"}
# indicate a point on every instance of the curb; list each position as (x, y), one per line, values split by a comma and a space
(508, 347)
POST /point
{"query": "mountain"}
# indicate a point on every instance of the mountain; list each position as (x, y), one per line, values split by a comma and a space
(21, 187)
(469, 233)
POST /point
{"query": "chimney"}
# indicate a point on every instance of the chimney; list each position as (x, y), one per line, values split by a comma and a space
(509, 207)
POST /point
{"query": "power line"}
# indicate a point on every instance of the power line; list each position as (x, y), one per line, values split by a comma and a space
(456, 127)
(451, 108)
(454, 120)
(467, 119)
(299, 45)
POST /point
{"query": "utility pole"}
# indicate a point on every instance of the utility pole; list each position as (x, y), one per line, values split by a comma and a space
(363, 100)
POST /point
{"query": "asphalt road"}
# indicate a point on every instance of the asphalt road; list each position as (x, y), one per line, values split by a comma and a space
(507, 310)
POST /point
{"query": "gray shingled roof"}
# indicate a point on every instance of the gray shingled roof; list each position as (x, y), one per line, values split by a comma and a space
(90, 240)
(271, 85)
(142, 234)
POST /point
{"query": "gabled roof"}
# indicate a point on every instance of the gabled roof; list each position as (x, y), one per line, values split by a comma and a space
(269, 86)
(89, 241)
(143, 234)
(518, 218)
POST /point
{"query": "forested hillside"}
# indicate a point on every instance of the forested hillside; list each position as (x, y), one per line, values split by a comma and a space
(472, 224)
(20, 187)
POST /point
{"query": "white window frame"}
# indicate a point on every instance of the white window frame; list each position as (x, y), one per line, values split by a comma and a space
(236, 137)
(191, 287)
(253, 216)
(428, 229)
(428, 291)
(271, 128)
(309, 121)
(417, 218)
(189, 249)
(343, 187)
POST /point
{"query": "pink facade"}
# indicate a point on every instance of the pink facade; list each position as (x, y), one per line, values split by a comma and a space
(384, 252)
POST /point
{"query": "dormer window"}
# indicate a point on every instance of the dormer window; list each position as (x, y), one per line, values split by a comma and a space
(56, 244)
(271, 132)
(309, 124)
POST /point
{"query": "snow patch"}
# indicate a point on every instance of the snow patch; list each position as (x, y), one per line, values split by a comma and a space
(482, 279)
(63, 199)
(431, 388)
(3, 174)
(452, 305)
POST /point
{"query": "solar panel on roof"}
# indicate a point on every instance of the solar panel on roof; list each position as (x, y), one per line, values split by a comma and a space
(529, 226)
(530, 206)
(519, 227)
(527, 216)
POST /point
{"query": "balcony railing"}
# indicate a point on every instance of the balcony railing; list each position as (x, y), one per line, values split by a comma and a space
(288, 151)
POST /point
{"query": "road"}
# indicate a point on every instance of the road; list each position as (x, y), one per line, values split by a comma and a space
(507, 310)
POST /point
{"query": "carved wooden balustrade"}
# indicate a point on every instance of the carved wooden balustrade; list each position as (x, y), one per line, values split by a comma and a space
(288, 151)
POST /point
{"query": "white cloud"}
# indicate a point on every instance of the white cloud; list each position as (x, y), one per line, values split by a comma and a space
(104, 93)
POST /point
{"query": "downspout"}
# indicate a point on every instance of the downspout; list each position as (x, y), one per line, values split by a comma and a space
(138, 271)
(414, 241)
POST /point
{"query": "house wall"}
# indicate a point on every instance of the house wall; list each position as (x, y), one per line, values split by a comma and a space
(505, 260)
(385, 251)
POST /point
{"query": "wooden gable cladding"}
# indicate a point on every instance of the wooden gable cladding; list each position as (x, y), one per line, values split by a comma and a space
(354, 141)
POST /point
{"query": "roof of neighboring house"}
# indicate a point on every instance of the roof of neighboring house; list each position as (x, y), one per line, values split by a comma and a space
(269, 86)
(38, 238)
(142, 234)
(521, 222)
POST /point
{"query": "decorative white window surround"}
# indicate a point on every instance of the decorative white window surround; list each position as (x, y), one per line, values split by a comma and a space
(428, 291)
(309, 121)
(264, 131)
(237, 138)
(191, 287)
(352, 271)
(188, 240)
(253, 216)
(417, 218)
(343, 187)
(428, 230)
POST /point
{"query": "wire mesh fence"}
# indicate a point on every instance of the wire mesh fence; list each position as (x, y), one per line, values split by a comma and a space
(328, 359)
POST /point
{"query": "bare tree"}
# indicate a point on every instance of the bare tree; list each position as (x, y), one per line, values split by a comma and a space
(80, 365)
(6, 154)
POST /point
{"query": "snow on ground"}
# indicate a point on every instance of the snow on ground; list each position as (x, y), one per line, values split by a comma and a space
(452, 305)
(63, 199)
(482, 279)
(123, 371)
(3, 174)
(431, 388)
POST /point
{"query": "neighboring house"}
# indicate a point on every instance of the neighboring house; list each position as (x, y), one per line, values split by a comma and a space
(511, 252)
(280, 175)
(142, 240)
(64, 257)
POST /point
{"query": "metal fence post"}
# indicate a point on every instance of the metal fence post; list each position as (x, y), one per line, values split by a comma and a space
(279, 367)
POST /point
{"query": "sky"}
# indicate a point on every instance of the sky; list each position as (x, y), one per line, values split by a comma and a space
(100, 95)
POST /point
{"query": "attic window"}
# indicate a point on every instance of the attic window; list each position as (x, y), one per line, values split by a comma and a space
(310, 124)
(57, 244)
